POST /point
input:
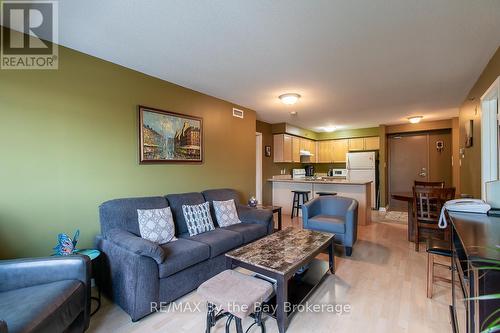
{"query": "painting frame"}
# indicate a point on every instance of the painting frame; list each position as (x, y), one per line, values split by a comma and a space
(143, 151)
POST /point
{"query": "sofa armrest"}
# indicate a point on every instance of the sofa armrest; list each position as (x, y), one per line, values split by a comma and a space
(135, 244)
(258, 216)
(26, 272)
(351, 223)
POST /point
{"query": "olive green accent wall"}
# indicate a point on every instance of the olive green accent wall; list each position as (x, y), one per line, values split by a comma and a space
(470, 169)
(293, 130)
(349, 133)
(69, 142)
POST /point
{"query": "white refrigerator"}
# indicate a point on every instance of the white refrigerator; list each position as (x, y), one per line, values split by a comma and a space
(362, 166)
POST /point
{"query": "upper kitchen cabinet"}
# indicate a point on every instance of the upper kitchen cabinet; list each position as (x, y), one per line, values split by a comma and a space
(325, 151)
(360, 144)
(340, 149)
(310, 146)
(282, 148)
(295, 149)
(372, 143)
(356, 144)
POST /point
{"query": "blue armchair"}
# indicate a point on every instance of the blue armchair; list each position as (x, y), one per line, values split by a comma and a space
(334, 214)
(45, 294)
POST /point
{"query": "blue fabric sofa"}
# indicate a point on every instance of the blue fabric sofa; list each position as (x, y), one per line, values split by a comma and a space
(45, 295)
(334, 214)
(139, 272)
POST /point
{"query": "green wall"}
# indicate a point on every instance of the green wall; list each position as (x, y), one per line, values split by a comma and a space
(69, 142)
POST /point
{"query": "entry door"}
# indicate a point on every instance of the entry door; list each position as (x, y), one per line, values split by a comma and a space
(408, 161)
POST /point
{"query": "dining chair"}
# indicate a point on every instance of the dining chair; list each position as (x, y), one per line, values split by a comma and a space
(427, 204)
(429, 184)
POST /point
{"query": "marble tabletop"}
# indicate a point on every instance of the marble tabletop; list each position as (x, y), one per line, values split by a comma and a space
(283, 250)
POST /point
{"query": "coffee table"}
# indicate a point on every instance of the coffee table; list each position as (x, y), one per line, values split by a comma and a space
(282, 256)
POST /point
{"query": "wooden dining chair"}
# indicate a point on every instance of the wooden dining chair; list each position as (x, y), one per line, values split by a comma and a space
(418, 183)
(427, 204)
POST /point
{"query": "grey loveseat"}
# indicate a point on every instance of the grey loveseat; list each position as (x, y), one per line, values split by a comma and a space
(45, 295)
(334, 214)
(140, 272)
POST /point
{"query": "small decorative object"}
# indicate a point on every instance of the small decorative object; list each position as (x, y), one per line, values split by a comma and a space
(66, 245)
(469, 128)
(166, 137)
(252, 202)
(439, 145)
(268, 151)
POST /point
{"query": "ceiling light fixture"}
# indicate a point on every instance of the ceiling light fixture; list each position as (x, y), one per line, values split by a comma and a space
(415, 119)
(329, 128)
(289, 99)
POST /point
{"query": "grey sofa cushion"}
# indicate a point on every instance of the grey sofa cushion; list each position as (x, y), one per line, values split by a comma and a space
(328, 223)
(219, 240)
(248, 231)
(122, 213)
(176, 201)
(181, 254)
(49, 307)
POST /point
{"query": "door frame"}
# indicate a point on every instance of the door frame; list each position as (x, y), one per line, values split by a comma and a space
(258, 166)
(489, 135)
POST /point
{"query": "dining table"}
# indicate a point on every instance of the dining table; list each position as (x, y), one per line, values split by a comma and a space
(408, 197)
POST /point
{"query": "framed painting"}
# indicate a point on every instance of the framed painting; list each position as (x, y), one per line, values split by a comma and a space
(169, 137)
(469, 133)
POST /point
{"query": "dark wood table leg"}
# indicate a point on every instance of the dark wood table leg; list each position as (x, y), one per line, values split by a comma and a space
(281, 299)
(331, 257)
(229, 263)
(411, 236)
(279, 219)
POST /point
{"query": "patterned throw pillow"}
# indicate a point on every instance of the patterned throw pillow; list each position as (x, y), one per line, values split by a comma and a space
(156, 225)
(225, 212)
(198, 218)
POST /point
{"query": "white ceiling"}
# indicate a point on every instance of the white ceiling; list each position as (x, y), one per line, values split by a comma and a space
(356, 63)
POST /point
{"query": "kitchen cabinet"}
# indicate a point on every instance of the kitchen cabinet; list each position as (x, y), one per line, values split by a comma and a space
(282, 144)
(360, 144)
(357, 144)
(295, 149)
(325, 151)
(372, 143)
(340, 149)
(310, 146)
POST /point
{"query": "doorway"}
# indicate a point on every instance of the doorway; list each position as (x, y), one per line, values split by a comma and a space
(424, 156)
(258, 166)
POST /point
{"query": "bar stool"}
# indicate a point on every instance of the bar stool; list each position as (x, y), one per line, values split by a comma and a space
(325, 193)
(436, 248)
(297, 195)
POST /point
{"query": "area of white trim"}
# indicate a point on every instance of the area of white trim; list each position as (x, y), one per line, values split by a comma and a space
(258, 166)
(489, 135)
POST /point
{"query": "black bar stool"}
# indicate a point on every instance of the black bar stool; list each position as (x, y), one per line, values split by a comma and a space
(325, 193)
(297, 195)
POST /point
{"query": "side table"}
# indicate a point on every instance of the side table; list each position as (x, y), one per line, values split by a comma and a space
(94, 257)
(275, 209)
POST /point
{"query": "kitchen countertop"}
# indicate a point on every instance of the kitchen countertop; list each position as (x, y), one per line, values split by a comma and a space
(320, 181)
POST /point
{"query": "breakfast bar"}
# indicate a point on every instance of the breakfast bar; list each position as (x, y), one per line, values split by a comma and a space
(359, 190)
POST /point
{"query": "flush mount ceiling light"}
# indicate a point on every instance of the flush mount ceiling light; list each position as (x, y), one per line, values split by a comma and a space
(289, 99)
(415, 119)
(328, 128)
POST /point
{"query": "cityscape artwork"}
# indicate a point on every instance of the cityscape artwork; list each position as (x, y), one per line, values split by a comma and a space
(169, 137)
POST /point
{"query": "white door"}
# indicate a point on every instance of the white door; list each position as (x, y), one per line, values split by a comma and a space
(361, 160)
(258, 167)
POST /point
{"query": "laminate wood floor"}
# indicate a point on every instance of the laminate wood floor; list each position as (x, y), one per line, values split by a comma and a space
(383, 282)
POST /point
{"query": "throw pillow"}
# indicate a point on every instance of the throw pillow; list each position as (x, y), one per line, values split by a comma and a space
(156, 225)
(225, 212)
(198, 218)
